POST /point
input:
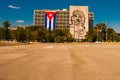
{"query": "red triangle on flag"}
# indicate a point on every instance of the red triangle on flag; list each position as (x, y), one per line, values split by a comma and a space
(50, 15)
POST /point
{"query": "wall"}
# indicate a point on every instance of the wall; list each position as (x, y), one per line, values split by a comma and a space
(78, 21)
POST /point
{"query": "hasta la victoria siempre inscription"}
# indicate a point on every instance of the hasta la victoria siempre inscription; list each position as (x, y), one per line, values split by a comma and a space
(78, 19)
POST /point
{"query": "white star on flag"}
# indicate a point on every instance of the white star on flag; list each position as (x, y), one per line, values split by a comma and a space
(50, 15)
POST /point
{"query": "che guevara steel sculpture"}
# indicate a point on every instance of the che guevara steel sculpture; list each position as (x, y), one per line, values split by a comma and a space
(78, 19)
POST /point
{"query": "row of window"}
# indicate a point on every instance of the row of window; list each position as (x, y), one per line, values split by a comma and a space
(91, 18)
(42, 16)
(42, 19)
(64, 16)
(60, 26)
(39, 16)
(56, 22)
(90, 14)
(62, 19)
(39, 23)
(62, 12)
(58, 12)
(56, 18)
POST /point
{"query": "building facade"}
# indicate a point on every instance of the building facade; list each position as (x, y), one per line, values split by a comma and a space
(79, 23)
(78, 20)
(91, 20)
(62, 18)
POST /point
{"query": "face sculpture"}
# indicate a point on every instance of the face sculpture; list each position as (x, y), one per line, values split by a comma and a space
(78, 18)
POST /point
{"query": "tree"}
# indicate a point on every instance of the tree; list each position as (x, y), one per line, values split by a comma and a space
(62, 35)
(111, 34)
(48, 36)
(6, 26)
(28, 33)
(1, 33)
(34, 33)
(91, 36)
(99, 34)
(100, 26)
(20, 34)
(59, 39)
(118, 37)
(100, 29)
(13, 34)
(39, 35)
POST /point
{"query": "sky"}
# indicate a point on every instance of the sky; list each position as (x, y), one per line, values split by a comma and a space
(20, 12)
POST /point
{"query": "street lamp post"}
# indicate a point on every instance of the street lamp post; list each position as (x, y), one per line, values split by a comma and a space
(106, 31)
(101, 35)
(97, 34)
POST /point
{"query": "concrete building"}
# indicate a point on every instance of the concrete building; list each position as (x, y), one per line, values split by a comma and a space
(91, 20)
(77, 19)
(16, 27)
(62, 18)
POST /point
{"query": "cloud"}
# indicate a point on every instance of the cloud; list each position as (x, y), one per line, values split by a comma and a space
(19, 21)
(13, 7)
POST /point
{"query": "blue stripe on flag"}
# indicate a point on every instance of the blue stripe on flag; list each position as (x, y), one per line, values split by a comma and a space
(54, 22)
(49, 25)
(45, 27)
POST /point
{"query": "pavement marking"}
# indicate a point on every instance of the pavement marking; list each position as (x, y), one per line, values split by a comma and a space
(11, 56)
(49, 47)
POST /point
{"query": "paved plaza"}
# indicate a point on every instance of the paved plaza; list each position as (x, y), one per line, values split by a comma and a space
(73, 61)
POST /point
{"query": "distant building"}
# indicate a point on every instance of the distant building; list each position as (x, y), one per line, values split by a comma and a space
(62, 18)
(91, 20)
(15, 27)
(77, 19)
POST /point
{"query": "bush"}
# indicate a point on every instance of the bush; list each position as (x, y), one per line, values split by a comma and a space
(59, 39)
(70, 39)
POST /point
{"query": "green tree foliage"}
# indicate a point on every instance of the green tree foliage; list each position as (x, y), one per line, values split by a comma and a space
(91, 36)
(13, 34)
(0, 33)
(99, 34)
(62, 35)
(118, 38)
(111, 34)
(6, 24)
(28, 34)
(101, 31)
(20, 35)
(59, 39)
(5, 31)
(37, 33)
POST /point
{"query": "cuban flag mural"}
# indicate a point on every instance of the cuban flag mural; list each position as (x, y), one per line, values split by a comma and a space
(50, 20)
